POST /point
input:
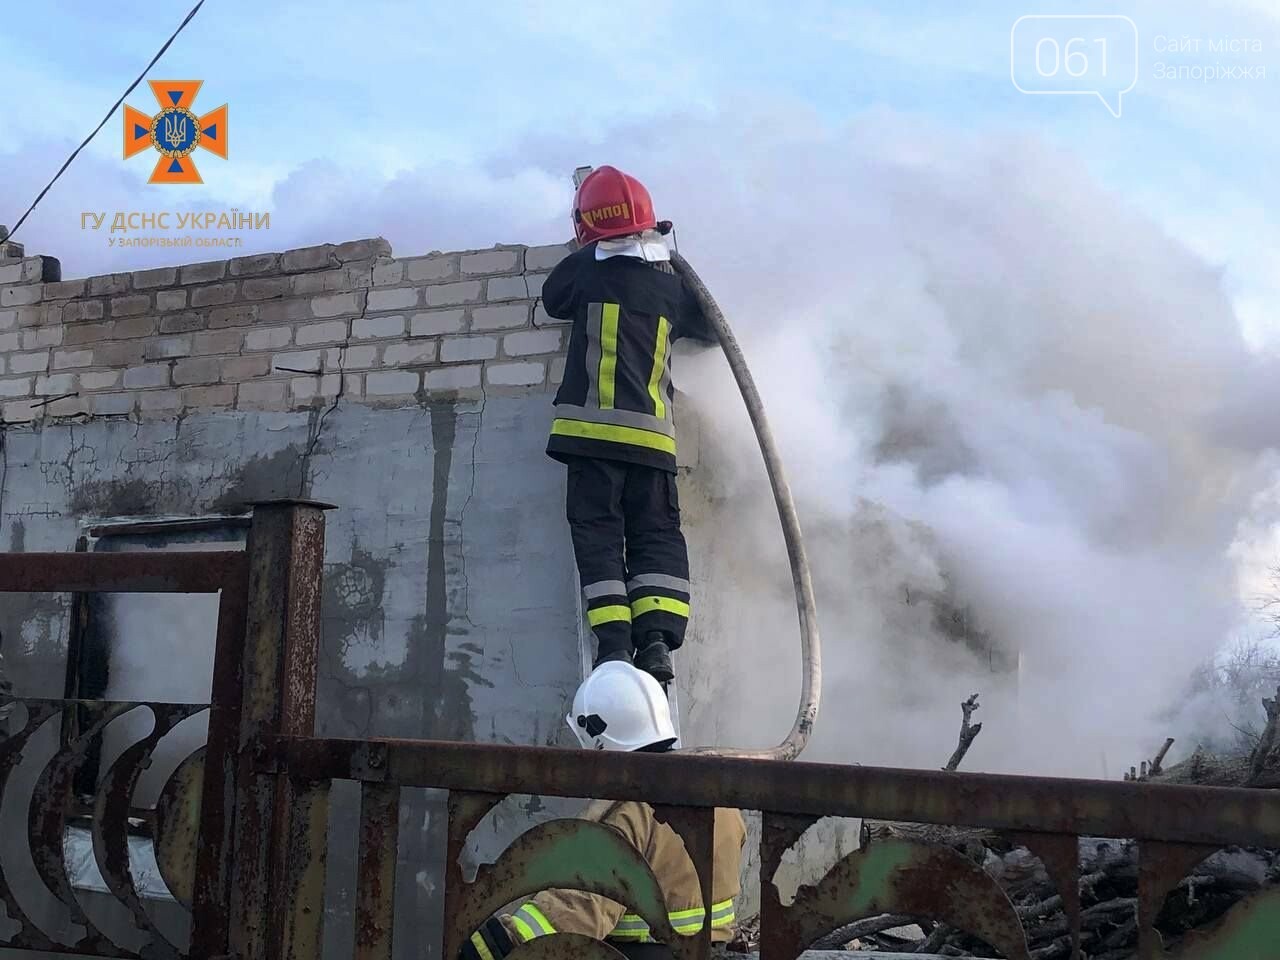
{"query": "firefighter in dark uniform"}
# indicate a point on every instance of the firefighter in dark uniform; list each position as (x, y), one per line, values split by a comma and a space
(614, 426)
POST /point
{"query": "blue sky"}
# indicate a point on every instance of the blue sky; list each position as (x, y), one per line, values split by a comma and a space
(337, 98)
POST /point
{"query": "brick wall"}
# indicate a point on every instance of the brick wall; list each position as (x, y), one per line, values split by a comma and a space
(275, 331)
(449, 597)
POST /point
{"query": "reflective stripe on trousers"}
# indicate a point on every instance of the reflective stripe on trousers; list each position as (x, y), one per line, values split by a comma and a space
(684, 922)
(531, 922)
(652, 593)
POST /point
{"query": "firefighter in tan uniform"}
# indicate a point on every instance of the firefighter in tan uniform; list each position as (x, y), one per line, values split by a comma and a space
(620, 707)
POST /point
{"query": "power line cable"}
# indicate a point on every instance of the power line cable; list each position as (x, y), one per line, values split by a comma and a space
(114, 107)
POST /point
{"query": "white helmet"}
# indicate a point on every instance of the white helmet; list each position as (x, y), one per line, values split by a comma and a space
(621, 708)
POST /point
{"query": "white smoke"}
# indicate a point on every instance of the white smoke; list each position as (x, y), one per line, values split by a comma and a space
(992, 379)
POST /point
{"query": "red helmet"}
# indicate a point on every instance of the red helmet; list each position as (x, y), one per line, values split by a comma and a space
(610, 203)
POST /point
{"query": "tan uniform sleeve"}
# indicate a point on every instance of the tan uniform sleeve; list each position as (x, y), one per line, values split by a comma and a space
(572, 911)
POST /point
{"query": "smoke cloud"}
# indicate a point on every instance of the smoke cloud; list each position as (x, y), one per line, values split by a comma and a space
(1020, 420)
(995, 386)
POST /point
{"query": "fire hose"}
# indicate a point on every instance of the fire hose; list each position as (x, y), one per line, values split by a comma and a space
(806, 607)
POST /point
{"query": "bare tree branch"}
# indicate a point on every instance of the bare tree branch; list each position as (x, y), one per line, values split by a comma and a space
(933, 942)
(1040, 907)
(1267, 742)
(837, 939)
(1151, 769)
(1155, 764)
(968, 733)
(1247, 735)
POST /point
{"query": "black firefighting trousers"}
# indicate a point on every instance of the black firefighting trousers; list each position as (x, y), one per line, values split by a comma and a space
(632, 559)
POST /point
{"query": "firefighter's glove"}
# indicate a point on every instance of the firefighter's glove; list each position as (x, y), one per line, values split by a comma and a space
(490, 942)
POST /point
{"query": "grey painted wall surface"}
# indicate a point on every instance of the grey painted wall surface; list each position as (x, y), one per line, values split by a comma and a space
(450, 604)
(449, 607)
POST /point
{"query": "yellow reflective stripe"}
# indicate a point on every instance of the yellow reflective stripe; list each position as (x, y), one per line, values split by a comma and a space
(608, 354)
(621, 418)
(664, 604)
(633, 927)
(722, 914)
(611, 614)
(614, 434)
(630, 934)
(482, 948)
(659, 364)
(524, 931)
(539, 918)
(686, 914)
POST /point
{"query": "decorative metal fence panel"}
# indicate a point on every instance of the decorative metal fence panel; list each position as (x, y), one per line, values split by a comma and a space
(214, 804)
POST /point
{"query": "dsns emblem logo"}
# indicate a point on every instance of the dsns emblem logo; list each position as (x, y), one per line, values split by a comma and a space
(175, 131)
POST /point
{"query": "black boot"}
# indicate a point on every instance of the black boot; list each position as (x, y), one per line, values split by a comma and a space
(654, 657)
(610, 656)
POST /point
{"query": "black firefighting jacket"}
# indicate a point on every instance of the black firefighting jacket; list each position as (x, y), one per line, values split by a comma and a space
(615, 400)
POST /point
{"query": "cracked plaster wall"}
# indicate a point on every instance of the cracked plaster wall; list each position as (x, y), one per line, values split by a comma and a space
(449, 606)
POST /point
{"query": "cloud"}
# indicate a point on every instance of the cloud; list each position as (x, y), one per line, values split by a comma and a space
(440, 206)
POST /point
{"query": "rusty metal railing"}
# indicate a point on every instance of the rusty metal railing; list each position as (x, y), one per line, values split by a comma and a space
(224, 573)
(241, 829)
(1176, 827)
(212, 820)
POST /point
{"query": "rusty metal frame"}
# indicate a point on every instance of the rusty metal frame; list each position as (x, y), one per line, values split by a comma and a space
(222, 572)
(82, 605)
(278, 680)
(1175, 825)
(77, 633)
(1144, 811)
(204, 571)
(267, 640)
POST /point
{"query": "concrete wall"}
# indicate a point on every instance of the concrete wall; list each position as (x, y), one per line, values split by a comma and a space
(449, 606)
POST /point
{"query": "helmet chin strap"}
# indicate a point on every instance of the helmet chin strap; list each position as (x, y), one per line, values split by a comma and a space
(662, 746)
